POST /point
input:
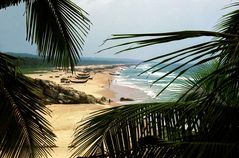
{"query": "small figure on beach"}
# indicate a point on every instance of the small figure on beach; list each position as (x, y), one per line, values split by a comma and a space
(109, 82)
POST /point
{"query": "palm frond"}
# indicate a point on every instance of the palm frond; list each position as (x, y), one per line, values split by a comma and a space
(118, 131)
(194, 55)
(158, 38)
(155, 129)
(223, 46)
(58, 28)
(24, 132)
(196, 85)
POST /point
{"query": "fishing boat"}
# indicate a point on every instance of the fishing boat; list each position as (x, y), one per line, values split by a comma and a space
(115, 73)
(79, 80)
(82, 75)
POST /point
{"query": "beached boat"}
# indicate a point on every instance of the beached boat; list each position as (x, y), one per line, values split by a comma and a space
(79, 81)
(115, 73)
(82, 75)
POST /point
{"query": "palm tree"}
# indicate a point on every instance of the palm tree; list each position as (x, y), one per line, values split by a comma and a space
(203, 122)
(58, 28)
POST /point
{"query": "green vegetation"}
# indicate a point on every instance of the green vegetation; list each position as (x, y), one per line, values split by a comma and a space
(203, 122)
(26, 60)
(30, 65)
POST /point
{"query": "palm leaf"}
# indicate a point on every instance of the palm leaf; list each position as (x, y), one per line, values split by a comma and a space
(154, 129)
(24, 132)
(58, 28)
(117, 131)
(158, 38)
(200, 53)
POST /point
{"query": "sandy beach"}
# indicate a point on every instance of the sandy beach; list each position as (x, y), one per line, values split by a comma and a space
(98, 86)
(64, 120)
(64, 117)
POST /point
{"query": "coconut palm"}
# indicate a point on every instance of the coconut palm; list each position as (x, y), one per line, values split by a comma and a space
(57, 27)
(203, 122)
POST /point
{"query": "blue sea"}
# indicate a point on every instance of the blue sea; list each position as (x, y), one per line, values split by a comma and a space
(141, 88)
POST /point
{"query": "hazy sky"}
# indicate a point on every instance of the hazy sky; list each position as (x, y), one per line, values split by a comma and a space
(122, 16)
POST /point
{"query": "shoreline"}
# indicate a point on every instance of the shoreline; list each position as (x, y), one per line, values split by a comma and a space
(123, 91)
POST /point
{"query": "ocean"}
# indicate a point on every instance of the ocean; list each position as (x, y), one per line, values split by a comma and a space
(142, 89)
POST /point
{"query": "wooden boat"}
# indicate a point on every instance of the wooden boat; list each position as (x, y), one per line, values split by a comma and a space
(83, 74)
(82, 77)
(79, 81)
(114, 73)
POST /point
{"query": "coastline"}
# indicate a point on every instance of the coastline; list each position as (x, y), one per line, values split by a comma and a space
(64, 117)
(106, 82)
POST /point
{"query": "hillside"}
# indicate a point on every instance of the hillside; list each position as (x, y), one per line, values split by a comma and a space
(33, 61)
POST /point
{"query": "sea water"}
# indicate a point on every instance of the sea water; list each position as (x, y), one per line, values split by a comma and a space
(141, 87)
